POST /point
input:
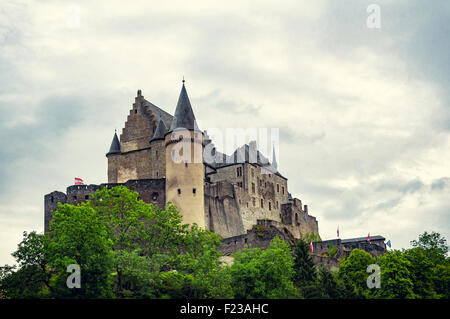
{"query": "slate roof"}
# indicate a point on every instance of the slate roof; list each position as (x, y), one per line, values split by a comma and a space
(184, 116)
(352, 240)
(244, 155)
(115, 146)
(160, 131)
(159, 113)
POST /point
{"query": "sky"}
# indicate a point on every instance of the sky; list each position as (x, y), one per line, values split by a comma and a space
(363, 113)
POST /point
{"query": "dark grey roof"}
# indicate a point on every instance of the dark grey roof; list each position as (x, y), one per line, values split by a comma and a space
(245, 154)
(274, 159)
(184, 116)
(115, 146)
(351, 240)
(160, 131)
(159, 113)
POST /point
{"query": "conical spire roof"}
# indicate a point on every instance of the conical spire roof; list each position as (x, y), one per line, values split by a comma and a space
(274, 159)
(115, 145)
(184, 116)
(160, 131)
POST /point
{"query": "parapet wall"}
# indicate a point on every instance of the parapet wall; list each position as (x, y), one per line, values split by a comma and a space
(149, 190)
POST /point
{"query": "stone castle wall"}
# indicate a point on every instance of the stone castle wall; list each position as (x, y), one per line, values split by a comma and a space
(149, 190)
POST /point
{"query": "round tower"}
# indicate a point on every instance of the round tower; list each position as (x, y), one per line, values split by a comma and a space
(184, 163)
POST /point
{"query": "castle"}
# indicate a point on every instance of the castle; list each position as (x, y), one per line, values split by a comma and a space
(242, 196)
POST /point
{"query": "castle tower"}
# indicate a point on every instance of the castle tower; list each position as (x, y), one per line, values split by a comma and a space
(184, 163)
(157, 146)
(114, 150)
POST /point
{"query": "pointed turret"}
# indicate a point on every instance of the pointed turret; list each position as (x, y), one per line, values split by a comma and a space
(115, 145)
(184, 116)
(159, 132)
(274, 159)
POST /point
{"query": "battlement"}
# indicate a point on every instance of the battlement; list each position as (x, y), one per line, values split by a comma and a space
(150, 191)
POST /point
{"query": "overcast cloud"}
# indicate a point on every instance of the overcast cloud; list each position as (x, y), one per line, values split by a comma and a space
(364, 114)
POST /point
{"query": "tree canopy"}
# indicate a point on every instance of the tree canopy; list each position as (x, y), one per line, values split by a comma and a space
(126, 248)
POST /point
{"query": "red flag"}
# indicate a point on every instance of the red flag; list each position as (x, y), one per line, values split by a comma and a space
(338, 231)
(368, 238)
(311, 247)
(78, 181)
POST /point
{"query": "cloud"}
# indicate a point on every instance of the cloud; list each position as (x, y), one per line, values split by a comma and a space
(363, 114)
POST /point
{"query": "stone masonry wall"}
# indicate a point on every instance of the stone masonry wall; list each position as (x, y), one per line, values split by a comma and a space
(149, 190)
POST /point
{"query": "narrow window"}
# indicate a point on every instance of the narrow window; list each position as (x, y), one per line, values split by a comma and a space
(278, 188)
(262, 203)
(194, 191)
(135, 111)
(277, 204)
(52, 199)
(282, 190)
(157, 173)
(270, 206)
(254, 201)
(179, 191)
(253, 172)
(253, 188)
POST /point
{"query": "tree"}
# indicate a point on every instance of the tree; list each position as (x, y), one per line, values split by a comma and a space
(305, 276)
(329, 285)
(258, 273)
(421, 271)
(32, 278)
(200, 258)
(80, 236)
(434, 246)
(353, 272)
(396, 280)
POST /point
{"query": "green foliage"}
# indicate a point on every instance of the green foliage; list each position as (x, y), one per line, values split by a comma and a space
(332, 250)
(129, 249)
(352, 272)
(32, 278)
(395, 276)
(258, 273)
(80, 236)
(434, 246)
(329, 285)
(305, 277)
(421, 272)
(309, 237)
